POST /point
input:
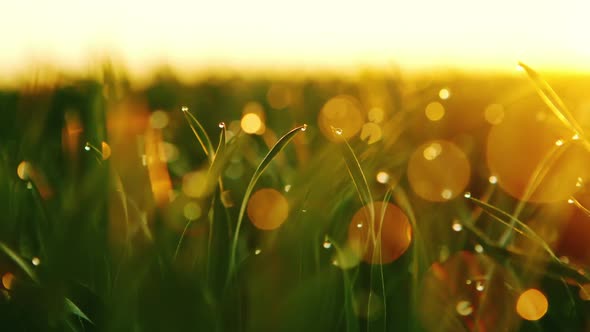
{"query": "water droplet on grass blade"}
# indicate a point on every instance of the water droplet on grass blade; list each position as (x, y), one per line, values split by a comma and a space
(464, 308)
(479, 286)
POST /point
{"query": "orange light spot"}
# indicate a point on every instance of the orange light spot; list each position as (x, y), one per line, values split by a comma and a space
(532, 305)
(267, 209)
(391, 230)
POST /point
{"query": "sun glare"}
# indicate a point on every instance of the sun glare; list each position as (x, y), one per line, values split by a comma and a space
(259, 34)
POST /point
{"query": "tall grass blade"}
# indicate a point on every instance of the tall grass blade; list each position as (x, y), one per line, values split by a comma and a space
(274, 151)
(552, 100)
(553, 268)
(200, 133)
(513, 222)
(73, 308)
(19, 261)
(358, 178)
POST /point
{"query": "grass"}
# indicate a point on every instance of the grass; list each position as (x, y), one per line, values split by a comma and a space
(112, 255)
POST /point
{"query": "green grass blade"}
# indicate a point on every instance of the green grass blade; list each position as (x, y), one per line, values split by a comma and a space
(218, 161)
(552, 268)
(278, 147)
(199, 132)
(19, 261)
(74, 309)
(512, 222)
(553, 101)
(358, 178)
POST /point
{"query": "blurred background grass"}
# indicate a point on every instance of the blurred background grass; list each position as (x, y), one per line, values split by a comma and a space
(107, 224)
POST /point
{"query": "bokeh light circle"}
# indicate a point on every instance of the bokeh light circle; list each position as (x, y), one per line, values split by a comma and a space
(438, 171)
(434, 111)
(520, 143)
(393, 226)
(341, 112)
(267, 209)
(24, 170)
(532, 305)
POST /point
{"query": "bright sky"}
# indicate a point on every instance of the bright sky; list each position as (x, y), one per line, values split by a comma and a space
(302, 34)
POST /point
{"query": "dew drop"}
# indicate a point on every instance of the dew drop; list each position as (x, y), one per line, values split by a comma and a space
(580, 182)
(479, 286)
(359, 225)
(304, 127)
(36, 261)
(478, 248)
(257, 252)
(468, 282)
(464, 308)
(287, 188)
(467, 195)
(87, 147)
(559, 142)
(564, 259)
(493, 179)
(576, 137)
(327, 244)
(184, 109)
(29, 185)
(338, 131)
(570, 201)
(221, 125)
(457, 227)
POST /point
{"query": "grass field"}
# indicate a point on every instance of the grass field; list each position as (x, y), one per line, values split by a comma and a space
(442, 203)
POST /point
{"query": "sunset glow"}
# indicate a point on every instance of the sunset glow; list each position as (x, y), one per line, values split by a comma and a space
(305, 35)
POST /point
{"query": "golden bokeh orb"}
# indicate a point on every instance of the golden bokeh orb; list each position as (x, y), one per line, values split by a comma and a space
(194, 184)
(434, 111)
(267, 209)
(532, 160)
(391, 229)
(342, 112)
(24, 170)
(532, 305)
(251, 123)
(438, 171)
